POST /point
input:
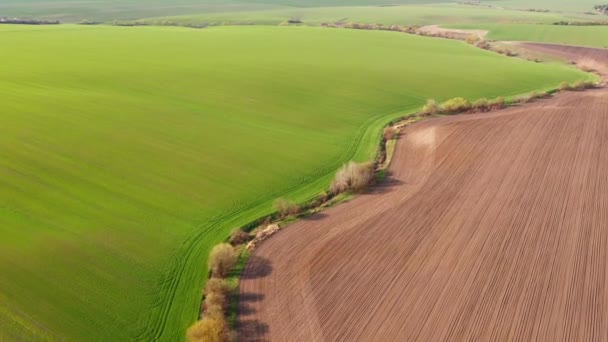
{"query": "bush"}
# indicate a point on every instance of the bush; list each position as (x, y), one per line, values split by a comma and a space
(430, 108)
(239, 237)
(537, 95)
(473, 39)
(481, 105)
(582, 85)
(564, 86)
(484, 45)
(215, 299)
(352, 176)
(524, 99)
(214, 311)
(285, 207)
(389, 133)
(208, 330)
(218, 286)
(497, 103)
(221, 260)
(456, 105)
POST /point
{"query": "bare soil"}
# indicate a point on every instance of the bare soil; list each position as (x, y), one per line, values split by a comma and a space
(456, 33)
(490, 227)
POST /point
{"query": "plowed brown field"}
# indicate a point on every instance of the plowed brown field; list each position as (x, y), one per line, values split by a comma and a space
(491, 227)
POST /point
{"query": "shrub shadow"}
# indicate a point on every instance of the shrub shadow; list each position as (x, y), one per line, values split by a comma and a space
(257, 267)
(252, 330)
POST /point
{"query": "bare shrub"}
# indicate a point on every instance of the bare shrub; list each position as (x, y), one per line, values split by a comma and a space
(319, 200)
(239, 237)
(215, 299)
(472, 39)
(484, 45)
(221, 260)
(481, 105)
(285, 207)
(214, 311)
(208, 330)
(497, 103)
(456, 105)
(389, 133)
(524, 99)
(340, 182)
(352, 176)
(537, 95)
(564, 86)
(361, 175)
(582, 85)
(431, 107)
(217, 285)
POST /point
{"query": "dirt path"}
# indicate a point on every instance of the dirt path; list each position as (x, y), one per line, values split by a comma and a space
(456, 33)
(491, 227)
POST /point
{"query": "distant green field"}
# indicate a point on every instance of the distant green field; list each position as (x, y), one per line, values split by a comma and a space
(313, 10)
(594, 36)
(126, 153)
(405, 15)
(105, 10)
(554, 5)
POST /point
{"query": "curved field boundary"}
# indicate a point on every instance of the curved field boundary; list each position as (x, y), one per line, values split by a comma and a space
(184, 260)
(491, 227)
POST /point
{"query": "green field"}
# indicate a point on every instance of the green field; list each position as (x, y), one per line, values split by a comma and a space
(579, 6)
(403, 15)
(105, 10)
(273, 11)
(594, 36)
(126, 153)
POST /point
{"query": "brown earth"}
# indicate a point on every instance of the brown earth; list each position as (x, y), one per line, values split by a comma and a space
(455, 33)
(491, 227)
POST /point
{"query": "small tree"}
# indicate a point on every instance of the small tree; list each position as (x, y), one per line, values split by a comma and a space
(217, 285)
(340, 182)
(564, 86)
(481, 105)
(497, 103)
(215, 299)
(431, 107)
(239, 237)
(221, 260)
(473, 39)
(285, 207)
(353, 176)
(208, 329)
(456, 105)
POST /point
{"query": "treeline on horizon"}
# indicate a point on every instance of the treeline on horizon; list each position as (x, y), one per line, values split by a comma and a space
(23, 21)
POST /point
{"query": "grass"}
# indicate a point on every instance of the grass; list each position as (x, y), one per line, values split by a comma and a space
(127, 153)
(579, 6)
(403, 15)
(313, 12)
(593, 36)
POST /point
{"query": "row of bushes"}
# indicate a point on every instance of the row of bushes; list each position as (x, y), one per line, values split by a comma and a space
(23, 21)
(158, 23)
(603, 9)
(213, 326)
(350, 177)
(581, 23)
(364, 26)
(461, 105)
(577, 86)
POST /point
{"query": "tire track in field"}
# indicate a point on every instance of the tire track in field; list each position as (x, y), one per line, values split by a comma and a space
(491, 227)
